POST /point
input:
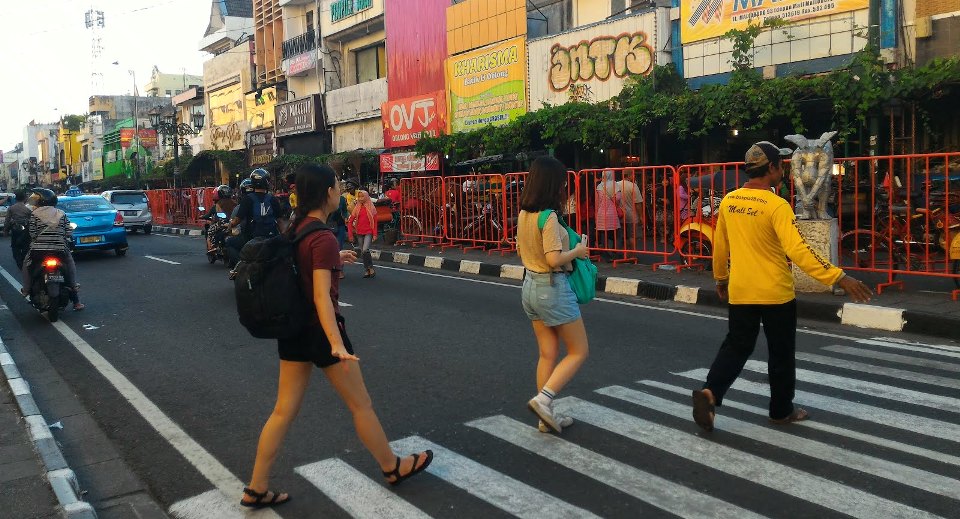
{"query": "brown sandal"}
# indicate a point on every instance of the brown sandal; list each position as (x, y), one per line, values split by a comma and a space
(798, 415)
(704, 409)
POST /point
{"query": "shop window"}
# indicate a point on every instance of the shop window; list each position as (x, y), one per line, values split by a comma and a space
(168, 93)
(371, 63)
(309, 21)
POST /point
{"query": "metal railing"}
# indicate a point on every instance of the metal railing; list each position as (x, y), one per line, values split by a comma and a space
(305, 42)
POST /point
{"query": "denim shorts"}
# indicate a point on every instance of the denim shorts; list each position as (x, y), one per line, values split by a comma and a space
(548, 297)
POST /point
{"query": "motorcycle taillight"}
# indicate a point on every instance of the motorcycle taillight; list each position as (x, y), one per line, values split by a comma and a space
(51, 263)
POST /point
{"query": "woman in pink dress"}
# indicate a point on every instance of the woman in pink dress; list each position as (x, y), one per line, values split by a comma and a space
(608, 221)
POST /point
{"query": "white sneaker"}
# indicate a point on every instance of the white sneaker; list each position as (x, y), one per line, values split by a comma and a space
(562, 421)
(545, 413)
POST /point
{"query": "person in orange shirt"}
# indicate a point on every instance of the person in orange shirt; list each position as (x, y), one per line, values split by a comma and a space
(756, 231)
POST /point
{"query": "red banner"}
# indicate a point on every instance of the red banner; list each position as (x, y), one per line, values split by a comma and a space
(407, 162)
(405, 120)
(148, 138)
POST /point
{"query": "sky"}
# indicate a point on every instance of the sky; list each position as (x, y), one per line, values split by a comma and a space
(47, 53)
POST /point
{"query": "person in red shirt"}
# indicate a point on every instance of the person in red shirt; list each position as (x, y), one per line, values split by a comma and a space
(324, 343)
(363, 223)
(394, 192)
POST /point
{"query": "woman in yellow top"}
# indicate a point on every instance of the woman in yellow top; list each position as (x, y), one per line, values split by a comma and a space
(547, 298)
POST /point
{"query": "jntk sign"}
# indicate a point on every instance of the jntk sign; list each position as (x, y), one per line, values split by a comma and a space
(406, 120)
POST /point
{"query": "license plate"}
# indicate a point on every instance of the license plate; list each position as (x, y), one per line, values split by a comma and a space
(55, 278)
(130, 213)
(91, 239)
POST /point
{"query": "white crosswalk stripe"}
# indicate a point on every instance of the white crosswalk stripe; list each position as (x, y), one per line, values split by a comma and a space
(666, 495)
(895, 357)
(875, 464)
(825, 427)
(756, 469)
(500, 490)
(916, 478)
(933, 350)
(888, 417)
(357, 494)
(884, 391)
(902, 374)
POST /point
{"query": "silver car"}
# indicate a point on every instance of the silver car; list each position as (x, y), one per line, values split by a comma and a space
(133, 207)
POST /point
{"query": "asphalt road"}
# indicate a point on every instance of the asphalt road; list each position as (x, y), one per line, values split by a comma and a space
(450, 362)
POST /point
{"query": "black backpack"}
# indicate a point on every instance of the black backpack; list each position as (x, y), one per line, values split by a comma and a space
(263, 221)
(270, 302)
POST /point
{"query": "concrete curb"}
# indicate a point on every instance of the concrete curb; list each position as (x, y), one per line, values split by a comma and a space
(850, 314)
(62, 480)
(177, 231)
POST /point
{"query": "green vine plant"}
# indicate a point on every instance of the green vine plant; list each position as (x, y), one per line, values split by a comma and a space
(741, 57)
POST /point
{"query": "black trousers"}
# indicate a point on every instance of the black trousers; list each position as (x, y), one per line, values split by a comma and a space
(780, 328)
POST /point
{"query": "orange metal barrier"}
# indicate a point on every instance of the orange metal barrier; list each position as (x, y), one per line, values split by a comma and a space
(900, 214)
(475, 211)
(179, 206)
(645, 197)
(698, 191)
(422, 210)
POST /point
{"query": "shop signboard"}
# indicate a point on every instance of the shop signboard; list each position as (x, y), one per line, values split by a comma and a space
(228, 136)
(260, 108)
(226, 105)
(408, 161)
(260, 145)
(302, 115)
(341, 9)
(148, 137)
(301, 63)
(487, 85)
(704, 19)
(405, 121)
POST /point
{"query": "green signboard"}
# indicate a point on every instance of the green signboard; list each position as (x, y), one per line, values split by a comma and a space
(344, 8)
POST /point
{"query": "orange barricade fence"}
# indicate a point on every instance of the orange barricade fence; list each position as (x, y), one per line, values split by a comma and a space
(698, 192)
(475, 211)
(422, 210)
(900, 214)
(179, 206)
(628, 213)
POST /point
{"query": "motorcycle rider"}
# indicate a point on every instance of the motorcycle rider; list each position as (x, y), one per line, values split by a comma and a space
(50, 232)
(256, 215)
(18, 218)
(223, 202)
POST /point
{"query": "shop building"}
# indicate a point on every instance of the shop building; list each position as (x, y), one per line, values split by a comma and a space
(303, 64)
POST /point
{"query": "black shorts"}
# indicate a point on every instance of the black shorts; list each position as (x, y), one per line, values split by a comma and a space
(313, 346)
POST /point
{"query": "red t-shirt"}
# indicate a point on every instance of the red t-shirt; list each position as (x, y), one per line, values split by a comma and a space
(394, 195)
(320, 250)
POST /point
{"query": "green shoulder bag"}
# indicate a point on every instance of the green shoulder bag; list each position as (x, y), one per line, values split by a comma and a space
(583, 279)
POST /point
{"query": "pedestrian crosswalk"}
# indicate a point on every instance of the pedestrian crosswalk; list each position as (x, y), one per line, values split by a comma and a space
(882, 442)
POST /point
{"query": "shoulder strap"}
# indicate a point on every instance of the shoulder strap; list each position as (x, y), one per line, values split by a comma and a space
(309, 229)
(542, 219)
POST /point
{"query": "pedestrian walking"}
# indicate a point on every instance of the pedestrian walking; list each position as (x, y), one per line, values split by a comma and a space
(16, 226)
(363, 224)
(609, 212)
(325, 344)
(756, 231)
(547, 298)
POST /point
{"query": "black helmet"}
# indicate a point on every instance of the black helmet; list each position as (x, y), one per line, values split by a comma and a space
(46, 196)
(260, 178)
(223, 193)
(246, 186)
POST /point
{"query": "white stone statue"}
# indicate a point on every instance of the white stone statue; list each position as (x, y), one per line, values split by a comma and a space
(812, 170)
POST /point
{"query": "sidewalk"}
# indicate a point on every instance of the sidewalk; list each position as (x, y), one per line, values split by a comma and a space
(927, 310)
(908, 310)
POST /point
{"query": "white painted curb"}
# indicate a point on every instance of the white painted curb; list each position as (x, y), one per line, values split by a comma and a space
(433, 262)
(469, 267)
(402, 258)
(687, 294)
(870, 316)
(512, 272)
(622, 286)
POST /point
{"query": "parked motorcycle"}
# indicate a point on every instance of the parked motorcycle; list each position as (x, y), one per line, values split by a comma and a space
(48, 288)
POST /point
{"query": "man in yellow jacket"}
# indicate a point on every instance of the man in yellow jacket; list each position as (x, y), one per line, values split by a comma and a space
(756, 233)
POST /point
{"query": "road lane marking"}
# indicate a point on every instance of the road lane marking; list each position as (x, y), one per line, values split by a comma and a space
(902, 374)
(761, 471)
(895, 357)
(896, 472)
(821, 426)
(161, 260)
(908, 347)
(497, 489)
(886, 417)
(907, 396)
(357, 494)
(208, 505)
(345, 305)
(907, 342)
(654, 490)
(193, 452)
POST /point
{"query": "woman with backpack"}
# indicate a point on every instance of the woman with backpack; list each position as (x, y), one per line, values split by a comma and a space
(363, 223)
(324, 343)
(548, 300)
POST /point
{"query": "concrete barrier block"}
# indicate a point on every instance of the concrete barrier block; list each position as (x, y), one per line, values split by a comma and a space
(871, 316)
(401, 257)
(512, 272)
(622, 286)
(433, 262)
(687, 295)
(469, 267)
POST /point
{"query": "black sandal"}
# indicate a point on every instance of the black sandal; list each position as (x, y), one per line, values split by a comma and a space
(260, 496)
(413, 472)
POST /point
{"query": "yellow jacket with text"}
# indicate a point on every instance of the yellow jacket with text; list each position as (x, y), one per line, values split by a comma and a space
(756, 232)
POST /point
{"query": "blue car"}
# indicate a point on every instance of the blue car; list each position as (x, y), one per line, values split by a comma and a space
(98, 225)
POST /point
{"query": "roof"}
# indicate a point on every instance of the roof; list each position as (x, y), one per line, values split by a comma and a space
(238, 8)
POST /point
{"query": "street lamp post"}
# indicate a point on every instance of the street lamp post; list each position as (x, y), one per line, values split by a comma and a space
(174, 133)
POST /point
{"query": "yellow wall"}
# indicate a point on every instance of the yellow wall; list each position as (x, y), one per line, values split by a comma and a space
(476, 23)
(67, 141)
(348, 61)
(590, 11)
